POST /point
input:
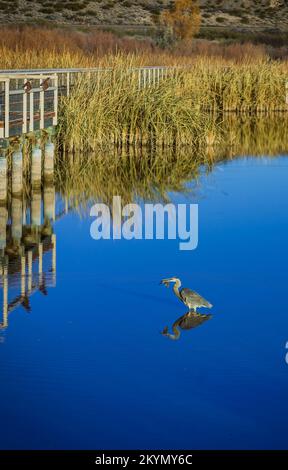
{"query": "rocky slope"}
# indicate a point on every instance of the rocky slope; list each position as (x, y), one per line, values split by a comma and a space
(271, 14)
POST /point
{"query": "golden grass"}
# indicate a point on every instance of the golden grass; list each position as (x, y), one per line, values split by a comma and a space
(30, 47)
(115, 110)
(41, 47)
(184, 108)
(245, 87)
(29, 59)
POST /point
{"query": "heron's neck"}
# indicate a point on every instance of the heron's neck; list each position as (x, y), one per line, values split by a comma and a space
(176, 288)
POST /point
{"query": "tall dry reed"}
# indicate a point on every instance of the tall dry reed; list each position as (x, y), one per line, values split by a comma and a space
(186, 107)
(114, 108)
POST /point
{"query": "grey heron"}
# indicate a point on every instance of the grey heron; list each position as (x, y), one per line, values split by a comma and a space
(187, 296)
(186, 322)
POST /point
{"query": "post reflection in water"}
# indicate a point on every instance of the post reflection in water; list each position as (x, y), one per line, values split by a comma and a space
(27, 214)
(188, 321)
(78, 371)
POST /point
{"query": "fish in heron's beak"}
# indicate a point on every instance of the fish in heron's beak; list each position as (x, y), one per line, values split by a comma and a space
(166, 282)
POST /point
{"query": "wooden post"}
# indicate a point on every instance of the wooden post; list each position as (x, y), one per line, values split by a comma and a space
(7, 107)
(3, 224)
(40, 253)
(49, 189)
(36, 208)
(54, 252)
(2, 106)
(3, 177)
(16, 218)
(24, 212)
(30, 263)
(36, 166)
(42, 105)
(5, 294)
(66, 205)
(24, 128)
(23, 274)
(149, 77)
(49, 201)
(17, 163)
(68, 84)
(49, 153)
(31, 112)
(54, 258)
(55, 118)
(40, 265)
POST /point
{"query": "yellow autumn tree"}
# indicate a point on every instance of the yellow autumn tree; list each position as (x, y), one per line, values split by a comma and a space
(183, 21)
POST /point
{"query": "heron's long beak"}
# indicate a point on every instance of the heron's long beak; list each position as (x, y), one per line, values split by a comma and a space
(166, 282)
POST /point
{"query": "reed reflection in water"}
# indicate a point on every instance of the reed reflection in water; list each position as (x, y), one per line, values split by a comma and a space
(152, 173)
(40, 183)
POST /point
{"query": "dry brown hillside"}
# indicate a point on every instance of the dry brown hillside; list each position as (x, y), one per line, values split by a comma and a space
(271, 14)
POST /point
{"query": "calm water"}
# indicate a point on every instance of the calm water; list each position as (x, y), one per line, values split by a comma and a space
(87, 366)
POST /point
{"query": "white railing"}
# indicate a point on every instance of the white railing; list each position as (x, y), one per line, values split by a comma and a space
(24, 100)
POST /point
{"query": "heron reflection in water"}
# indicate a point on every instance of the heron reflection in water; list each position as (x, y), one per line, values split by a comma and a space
(186, 322)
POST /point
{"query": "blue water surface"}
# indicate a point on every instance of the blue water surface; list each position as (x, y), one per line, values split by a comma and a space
(87, 368)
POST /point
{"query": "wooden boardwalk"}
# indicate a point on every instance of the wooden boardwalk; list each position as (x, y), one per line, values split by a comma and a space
(29, 98)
